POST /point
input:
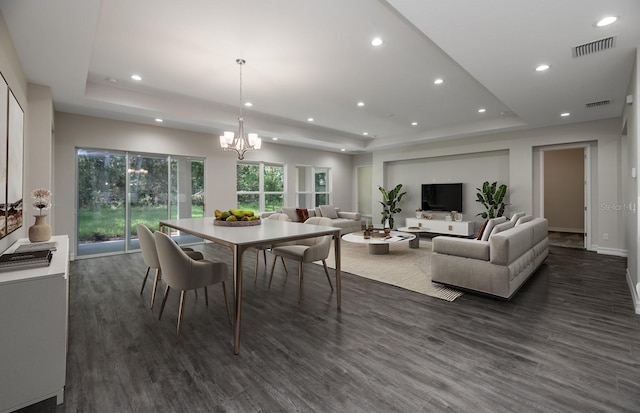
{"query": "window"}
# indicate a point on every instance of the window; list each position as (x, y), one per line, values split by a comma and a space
(260, 187)
(116, 190)
(313, 186)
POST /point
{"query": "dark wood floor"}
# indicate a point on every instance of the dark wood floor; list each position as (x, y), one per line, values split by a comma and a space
(569, 341)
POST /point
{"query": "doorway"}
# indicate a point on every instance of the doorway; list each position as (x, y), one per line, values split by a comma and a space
(565, 195)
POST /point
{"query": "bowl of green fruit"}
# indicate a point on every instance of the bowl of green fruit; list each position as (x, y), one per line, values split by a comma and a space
(235, 218)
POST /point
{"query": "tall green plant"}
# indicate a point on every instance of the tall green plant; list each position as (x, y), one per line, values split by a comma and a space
(491, 197)
(390, 203)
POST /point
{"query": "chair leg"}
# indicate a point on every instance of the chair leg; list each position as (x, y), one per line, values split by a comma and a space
(300, 277)
(285, 264)
(155, 286)
(273, 266)
(164, 301)
(206, 297)
(146, 275)
(326, 271)
(264, 256)
(180, 313)
(226, 301)
(255, 278)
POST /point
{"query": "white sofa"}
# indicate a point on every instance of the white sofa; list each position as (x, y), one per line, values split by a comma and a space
(497, 266)
(346, 221)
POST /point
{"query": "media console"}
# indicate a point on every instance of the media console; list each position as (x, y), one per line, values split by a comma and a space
(441, 226)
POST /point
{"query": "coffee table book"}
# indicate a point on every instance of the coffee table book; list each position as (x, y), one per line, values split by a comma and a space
(22, 260)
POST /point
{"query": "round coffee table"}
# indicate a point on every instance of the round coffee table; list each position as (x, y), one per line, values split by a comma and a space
(379, 244)
(414, 243)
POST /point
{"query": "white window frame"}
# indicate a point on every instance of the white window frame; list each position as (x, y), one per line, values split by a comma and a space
(261, 192)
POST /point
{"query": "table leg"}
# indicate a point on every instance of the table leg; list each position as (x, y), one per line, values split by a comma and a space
(238, 252)
(336, 244)
(378, 249)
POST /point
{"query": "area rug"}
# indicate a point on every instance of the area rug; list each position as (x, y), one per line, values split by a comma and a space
(403, 267)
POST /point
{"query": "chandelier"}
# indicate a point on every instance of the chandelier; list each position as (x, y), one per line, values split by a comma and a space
(240, 143)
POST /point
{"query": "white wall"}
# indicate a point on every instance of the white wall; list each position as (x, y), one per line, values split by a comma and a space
(631, 117)
(76, 131)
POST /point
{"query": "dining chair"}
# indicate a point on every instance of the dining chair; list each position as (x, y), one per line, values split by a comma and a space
(181, 272)
(150, 257)
(305, 251)
(278, 217)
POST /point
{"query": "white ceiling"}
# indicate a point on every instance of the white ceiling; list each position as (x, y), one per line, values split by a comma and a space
(314, 59)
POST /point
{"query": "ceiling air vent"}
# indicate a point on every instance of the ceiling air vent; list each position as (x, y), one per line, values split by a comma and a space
(594, 47)
(597, 104)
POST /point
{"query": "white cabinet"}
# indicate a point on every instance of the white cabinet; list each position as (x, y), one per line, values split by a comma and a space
(439, 226)
(33, 331)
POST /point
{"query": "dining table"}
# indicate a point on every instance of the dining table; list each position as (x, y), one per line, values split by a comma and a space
(243, 237)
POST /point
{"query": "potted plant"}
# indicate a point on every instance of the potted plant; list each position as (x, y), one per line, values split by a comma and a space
(491, 197)
(390, 204)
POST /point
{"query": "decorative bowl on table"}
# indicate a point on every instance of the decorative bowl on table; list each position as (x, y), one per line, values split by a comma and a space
(236, 218)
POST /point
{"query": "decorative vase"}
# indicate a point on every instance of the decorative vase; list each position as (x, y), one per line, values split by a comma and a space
(387, 227)
(40, 231)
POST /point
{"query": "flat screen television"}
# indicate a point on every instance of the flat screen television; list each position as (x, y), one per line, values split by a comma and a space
(442, 197)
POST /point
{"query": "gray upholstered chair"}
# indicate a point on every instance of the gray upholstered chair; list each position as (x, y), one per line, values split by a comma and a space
(305, 251)
(183, 273)
(150, 257)
(278, 217)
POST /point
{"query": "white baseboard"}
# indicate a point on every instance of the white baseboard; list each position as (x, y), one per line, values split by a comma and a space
(611, 251)
(634, 292)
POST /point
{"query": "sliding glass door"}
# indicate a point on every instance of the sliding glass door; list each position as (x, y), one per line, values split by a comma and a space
(117, 190)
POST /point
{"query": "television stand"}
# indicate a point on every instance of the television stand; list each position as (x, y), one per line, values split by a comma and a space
(441, 226)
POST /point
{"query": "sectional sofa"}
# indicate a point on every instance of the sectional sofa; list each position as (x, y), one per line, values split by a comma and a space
(346, 221)
(499, 263)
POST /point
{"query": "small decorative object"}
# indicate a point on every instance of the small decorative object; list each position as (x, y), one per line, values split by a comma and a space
(458, 217)
(418, 213)
(454, 215)
(367, 234)
(40, 231)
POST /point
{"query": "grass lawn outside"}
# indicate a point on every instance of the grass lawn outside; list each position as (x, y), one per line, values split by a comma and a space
(106, 223)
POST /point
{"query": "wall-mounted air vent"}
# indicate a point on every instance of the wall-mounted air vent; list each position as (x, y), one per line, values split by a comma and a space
(594, 47)
(598, 104)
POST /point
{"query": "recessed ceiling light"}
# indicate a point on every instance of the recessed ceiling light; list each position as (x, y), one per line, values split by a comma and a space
(159, 120)
(482, 110)
(542, 68)
(136, 77)
(275, 139)
(438, 82)
(361, 104)
(112, 80)
(414, 123)
(565, 114)
(310, 119)
(248, 104)
(365, 133)
(606, 21)
(376, 41)
(342, 150)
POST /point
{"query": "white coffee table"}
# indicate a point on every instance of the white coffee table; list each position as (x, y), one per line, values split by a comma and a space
(379, 245)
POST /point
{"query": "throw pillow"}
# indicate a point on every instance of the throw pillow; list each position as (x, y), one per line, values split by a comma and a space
(524, 219)
(291, 213)
(492, 223)
(517, 216)
(328, 211)
(484, 225)
(317, 211)
(303, 214)
(502, 227)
